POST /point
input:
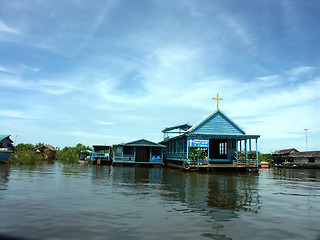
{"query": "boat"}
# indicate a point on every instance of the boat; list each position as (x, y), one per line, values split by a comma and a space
(101, 154)
(85, 157)
(264, 165)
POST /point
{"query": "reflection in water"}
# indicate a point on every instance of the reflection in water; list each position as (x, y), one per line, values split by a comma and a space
(4, 176)
(218, 196)
(114, 202)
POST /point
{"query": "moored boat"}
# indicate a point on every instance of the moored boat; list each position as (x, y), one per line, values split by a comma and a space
(85, 157)
(264, 165)
(101, 154)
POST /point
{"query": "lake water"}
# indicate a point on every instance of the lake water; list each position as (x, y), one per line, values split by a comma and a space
(113, 202)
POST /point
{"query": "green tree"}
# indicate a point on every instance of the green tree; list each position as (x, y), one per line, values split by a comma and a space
(70, 155)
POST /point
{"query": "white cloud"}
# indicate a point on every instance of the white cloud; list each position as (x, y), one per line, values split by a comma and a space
(299, 72)
(7, 29)
(16, 114)
(104, 123)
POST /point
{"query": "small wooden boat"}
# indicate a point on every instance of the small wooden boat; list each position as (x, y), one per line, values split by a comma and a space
(264, 165)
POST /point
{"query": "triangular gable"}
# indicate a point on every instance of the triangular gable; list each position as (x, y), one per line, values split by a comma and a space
(2, 137)
(143, 142)
(216, 123)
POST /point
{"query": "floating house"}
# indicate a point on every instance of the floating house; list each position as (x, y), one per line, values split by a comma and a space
(293, 158)
(138, 152)
(283, 156)
(216, 141)
(6, 147)
(310, 158)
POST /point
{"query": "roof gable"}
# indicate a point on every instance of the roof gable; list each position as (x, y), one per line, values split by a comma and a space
(217, 123)
(285, 151)
(2, 137)
(143, 143)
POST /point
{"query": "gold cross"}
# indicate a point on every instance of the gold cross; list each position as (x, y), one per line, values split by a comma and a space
(217, 98)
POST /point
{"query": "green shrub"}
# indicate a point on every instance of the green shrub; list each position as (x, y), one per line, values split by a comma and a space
(25, 157)
(71, 155)
(198, 153)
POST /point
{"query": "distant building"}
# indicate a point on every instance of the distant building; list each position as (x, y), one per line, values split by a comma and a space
(6, 147)
(282, 156)
(309, 157)
(141, 151)
(292, 156)
(6, 142)
(217, 138)
(48, 151)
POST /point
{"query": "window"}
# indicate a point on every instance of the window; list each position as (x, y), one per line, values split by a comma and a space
(223, 148)
(311, 159)
(128, 150)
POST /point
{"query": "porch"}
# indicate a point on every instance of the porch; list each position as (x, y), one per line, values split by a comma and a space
(214, 149)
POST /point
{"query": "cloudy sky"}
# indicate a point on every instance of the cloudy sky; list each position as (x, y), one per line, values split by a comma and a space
(113, 71)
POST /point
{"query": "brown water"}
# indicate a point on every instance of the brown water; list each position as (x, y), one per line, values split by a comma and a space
(106, 202)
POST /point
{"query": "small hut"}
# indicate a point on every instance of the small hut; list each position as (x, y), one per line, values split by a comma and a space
(48, 151)
(283, 156)
(141, 151)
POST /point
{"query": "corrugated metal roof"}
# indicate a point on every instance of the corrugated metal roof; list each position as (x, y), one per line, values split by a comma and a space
(285, 151)
(4, 137)
(182, 126)
(307, 154)
(141, 143)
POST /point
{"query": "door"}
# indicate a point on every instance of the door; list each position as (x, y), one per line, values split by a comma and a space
(218, 149)
(142, 154)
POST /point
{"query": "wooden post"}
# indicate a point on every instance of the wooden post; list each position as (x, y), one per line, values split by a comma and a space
(245, 147)
(208, 160)
(161, 155)
(187, 150)
(237, 148)
(257, 155)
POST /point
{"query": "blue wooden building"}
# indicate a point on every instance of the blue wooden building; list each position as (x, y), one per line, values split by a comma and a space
(214, 140)
(6, 147)
(141, 151)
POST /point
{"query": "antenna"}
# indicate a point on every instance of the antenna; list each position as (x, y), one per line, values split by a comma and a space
(306, 129)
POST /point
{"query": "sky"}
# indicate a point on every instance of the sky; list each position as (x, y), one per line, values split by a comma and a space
(113, 71)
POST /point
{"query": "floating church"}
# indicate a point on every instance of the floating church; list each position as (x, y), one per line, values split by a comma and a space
(214, 142)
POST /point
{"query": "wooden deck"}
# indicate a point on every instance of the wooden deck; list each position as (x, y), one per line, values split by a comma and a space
(216, 167)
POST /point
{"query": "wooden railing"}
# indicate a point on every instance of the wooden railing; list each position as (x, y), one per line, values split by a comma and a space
(245, 161)
(124, 158)
(176, 156)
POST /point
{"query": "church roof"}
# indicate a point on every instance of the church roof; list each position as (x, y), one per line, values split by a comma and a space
(216, 123)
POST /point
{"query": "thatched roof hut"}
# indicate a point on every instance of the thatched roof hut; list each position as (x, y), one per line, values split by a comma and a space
(285, 151)
(48, 151)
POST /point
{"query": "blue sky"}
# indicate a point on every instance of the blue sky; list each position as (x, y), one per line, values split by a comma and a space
(114, 71)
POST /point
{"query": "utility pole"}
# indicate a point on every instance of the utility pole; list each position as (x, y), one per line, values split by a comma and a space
(306, 129)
